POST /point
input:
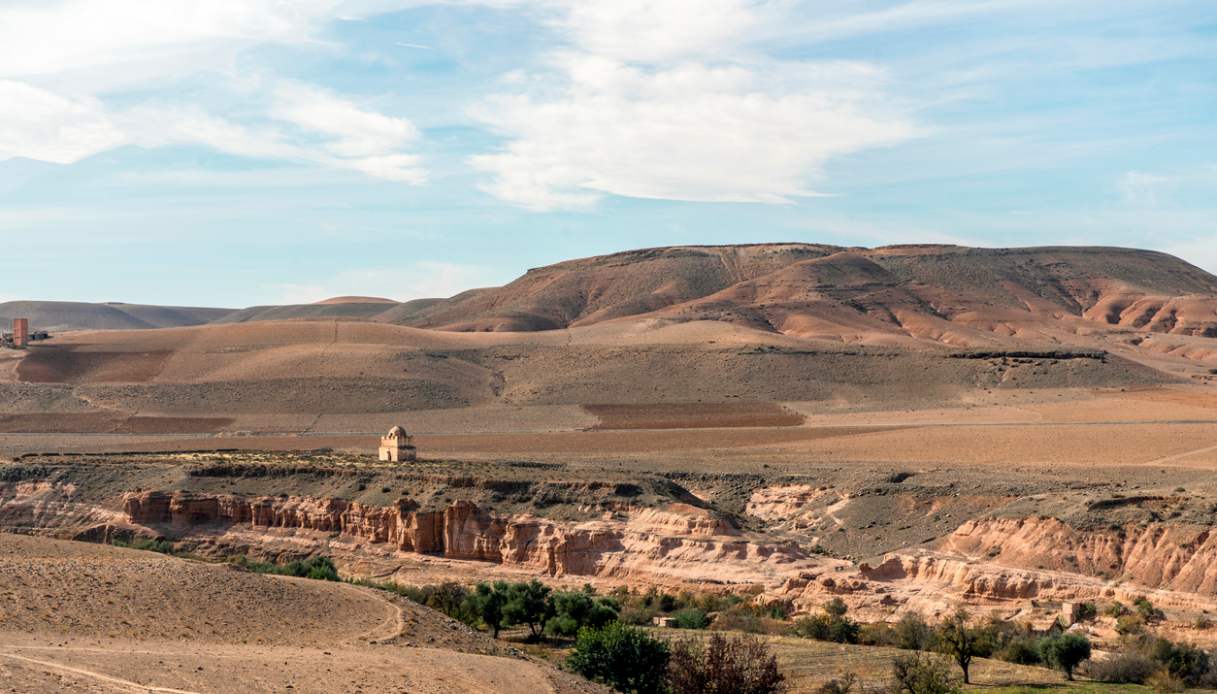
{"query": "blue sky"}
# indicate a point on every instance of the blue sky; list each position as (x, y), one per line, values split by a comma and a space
(239, 152)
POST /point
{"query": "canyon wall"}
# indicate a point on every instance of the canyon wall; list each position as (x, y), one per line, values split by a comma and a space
(991, 561)
(679, 544)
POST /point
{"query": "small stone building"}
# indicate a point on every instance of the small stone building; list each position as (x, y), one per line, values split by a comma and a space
(397, 446)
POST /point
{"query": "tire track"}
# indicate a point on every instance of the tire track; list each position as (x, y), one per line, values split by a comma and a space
(91, 674)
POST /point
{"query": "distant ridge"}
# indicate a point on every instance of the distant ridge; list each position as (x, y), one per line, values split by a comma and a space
(960, 296)
(356, 300)
(71, 315)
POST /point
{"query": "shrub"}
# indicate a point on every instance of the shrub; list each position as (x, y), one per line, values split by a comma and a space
(721, 665)
(158, 545)
(668, 603)
(1065, 652)
(638, 616)
(836, 608)
(1122, 668)
(691, 618)
(877, 634)
(622, 657)
(1087, 612)
(921, 673)
(740, 618)
(843, 685)
(1183, 661)
(1023, 651)
(833, 625)
(1148, 612)
(1162, 681)
(912, 633)
(1130, 624)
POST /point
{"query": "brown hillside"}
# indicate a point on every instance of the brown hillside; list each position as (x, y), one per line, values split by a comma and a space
(951, 294)
(590, 290)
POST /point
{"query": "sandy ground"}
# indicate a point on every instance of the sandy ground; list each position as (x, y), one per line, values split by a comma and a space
(81, 617)
(1168, 426)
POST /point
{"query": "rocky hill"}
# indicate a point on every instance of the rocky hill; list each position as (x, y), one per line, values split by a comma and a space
(949, 294)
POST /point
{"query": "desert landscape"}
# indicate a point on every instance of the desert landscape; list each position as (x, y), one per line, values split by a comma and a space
(907, 430)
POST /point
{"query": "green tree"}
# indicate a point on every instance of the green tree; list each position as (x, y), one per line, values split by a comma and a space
(487, 602)
(833, 625)
(622, 657)
(529, 604)
(962, 642)
(912, 633)
(572, 611)
(691, 618)
(1065, 652)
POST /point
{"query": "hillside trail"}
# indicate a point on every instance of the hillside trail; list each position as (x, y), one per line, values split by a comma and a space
(93, 675)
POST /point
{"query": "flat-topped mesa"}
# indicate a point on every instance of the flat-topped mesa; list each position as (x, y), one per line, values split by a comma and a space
(397, 446)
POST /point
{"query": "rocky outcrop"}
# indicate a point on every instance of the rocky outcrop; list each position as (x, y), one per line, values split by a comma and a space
(1174, 556)
(40, 505)
(679, 544)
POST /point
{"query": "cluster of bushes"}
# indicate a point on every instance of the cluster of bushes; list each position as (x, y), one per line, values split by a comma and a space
(1130, 621)
(534, 605)
(319, 568)
(148, 545)
(832, 625)
(730, 612)
(628, 660)
(955, 637)
(1169, 666)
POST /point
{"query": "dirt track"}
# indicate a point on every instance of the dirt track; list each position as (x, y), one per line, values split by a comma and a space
(80, 617)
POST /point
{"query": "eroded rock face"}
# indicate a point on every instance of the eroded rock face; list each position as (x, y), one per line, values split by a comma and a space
(1003, 562)
(1175, 556)
(678, 544)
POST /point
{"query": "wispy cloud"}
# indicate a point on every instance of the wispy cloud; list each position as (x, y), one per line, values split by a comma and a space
(1141, 188)
(665, 101)
(58, 62)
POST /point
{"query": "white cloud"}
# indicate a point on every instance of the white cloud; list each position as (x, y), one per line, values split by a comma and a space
(644, 30)
(324, 130)
(418, 280)
(693, 131)
(63, 58)
(356, 132)
(1141, 188)
(37, 124)
(49, 38)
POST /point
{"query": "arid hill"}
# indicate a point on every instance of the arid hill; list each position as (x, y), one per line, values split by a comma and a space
(72, 315)
(761, 323)
(947, 293)
(969, 297)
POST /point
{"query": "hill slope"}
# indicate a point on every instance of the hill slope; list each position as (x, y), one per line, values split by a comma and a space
(72, 315)
(964, 295)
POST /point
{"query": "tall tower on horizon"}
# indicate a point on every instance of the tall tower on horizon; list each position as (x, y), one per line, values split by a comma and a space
(21, 332)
